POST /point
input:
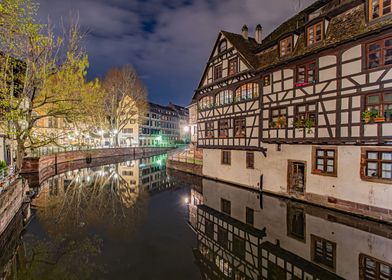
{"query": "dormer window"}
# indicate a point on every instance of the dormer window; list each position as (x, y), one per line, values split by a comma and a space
(286, 46)
(222, 46)
(315, 33)
(379, 8)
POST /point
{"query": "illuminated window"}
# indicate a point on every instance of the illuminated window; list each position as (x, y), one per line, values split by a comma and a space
(315, 33)
(379, 53)
(379, 8)
(246, 92)
(206, 102)
(286, 46)
(224, 97)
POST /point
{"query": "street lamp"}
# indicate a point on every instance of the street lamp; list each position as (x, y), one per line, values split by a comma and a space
(186, 129)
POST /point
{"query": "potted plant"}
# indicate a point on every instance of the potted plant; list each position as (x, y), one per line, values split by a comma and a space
(281, 122)
(298, 123)
(379, 119)
(272, 124)
(367, 116)
(309, 123)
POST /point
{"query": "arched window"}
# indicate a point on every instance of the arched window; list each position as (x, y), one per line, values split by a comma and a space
(247, 91)
(224, 97)
(222, 46)
(206, 102)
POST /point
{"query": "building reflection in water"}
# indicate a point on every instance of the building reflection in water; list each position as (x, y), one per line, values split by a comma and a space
(242, 234)
(112, 198)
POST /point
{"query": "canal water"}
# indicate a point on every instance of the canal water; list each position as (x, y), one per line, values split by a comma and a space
(137, 220)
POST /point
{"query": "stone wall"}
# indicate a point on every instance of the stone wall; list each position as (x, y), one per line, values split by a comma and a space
(35, 165)
(185, 167)
(11, 202)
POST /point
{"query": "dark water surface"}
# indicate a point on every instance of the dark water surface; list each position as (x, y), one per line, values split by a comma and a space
(137, 220)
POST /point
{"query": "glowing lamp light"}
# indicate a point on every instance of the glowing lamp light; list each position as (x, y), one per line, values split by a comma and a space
(186, 129)
(115, 131)
(186, 200)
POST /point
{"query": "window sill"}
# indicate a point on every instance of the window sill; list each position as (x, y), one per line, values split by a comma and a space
(321, 173)
(300, 85)
(376, 180)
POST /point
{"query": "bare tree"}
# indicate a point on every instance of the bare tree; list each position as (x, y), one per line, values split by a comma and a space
(125, 99)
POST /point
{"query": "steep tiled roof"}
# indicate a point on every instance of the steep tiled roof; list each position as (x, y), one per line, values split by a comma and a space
(347, 22)
(246, 47)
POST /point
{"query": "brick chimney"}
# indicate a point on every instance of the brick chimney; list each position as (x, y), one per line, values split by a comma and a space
(259, 34)
(245, 32)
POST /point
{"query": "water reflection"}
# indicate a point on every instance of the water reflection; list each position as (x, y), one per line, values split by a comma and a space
(111, 198)
(243, 235)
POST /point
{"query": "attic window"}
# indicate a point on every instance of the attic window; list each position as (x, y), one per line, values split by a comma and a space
(315, 33)
(286, 46)
(379, 8)
(222, 46)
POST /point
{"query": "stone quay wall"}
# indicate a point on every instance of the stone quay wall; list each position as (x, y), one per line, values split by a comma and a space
(191, 168)
(36, 165)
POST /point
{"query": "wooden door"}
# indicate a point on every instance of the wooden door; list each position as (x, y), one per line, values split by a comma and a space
(296, 177)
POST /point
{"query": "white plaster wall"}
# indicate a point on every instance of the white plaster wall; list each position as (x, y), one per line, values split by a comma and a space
(348, 185)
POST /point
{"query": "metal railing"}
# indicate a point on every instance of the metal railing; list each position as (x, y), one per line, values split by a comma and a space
(44, 151)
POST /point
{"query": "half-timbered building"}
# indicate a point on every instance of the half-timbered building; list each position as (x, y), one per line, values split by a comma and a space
(242, 234)
(307, 110)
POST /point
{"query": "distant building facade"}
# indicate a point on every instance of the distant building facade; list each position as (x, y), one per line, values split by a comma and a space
(159, 126)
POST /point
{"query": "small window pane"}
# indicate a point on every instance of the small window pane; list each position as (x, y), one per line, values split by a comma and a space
(387, 156)
(320, 153)
(373, 99)
(372, 169)
(331, 153)
(374, 47)
(372, 155)
(388, 97)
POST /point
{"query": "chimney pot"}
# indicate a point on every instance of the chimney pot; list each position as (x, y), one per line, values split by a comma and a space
(259, 34)
(245, 32)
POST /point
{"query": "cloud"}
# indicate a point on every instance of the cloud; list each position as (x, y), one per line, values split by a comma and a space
(169, 42)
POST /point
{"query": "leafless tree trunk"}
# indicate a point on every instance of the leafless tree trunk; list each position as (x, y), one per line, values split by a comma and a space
(125, 99)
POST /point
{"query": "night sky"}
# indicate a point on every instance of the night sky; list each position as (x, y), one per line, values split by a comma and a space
(168, 41)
